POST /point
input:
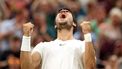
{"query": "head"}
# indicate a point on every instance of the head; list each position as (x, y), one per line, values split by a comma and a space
(116, 16)
(100, 13)
(65, 20)
(15, 43)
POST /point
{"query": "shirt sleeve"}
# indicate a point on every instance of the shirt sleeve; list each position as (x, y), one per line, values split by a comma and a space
(82, 47)
(38, 48)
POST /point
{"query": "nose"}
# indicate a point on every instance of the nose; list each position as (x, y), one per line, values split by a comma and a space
(62, 15)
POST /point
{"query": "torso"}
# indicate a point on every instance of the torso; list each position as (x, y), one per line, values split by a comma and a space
(61, 54)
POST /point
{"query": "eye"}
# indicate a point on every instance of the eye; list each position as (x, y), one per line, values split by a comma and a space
(63, 11)
(66, 11)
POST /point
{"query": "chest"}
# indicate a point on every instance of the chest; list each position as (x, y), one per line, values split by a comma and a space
(62, 49)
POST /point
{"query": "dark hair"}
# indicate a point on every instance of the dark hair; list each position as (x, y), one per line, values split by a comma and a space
(74, 19)
(64, 8)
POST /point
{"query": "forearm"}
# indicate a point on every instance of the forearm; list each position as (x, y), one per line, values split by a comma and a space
(26, 60)
(89, 56)
(25, 55)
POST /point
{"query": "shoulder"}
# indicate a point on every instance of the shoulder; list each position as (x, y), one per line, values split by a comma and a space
(78, 41)
(43, 44)
(40, 47)
(80, 45)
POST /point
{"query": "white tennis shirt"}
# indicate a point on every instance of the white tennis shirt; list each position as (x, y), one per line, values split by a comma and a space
(60, 54)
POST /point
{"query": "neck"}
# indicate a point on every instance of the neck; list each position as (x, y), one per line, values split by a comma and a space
(65, 34)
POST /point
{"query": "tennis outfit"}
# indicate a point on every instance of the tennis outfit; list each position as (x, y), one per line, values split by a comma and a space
(60, 54)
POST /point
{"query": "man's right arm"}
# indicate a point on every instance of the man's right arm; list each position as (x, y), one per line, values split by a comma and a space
(28, 60)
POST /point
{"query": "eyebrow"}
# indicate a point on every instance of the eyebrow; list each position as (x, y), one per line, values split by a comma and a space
(64, 9)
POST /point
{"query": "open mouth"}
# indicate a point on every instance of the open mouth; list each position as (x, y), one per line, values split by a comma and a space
(63, 16)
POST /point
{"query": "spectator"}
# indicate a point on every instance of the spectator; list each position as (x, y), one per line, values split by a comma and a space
(110, 34)
(10, 58)
(118, 4)
(105, 17)
(12, 27)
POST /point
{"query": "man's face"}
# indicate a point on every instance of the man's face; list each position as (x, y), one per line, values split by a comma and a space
(64, 19)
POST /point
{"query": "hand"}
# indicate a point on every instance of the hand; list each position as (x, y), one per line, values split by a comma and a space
(86, 27)
(28, 29)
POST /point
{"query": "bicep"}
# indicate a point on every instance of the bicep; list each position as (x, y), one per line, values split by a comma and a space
(36, 60)
(36, 55)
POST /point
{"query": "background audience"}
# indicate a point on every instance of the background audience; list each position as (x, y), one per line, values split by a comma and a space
(105, 17)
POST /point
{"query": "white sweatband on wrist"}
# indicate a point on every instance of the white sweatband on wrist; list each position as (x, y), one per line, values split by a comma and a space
(26, 43)
(88, 37)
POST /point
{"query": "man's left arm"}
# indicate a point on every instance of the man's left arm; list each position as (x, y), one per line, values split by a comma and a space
(89, 54)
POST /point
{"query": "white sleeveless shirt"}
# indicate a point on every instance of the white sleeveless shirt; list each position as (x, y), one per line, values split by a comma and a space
(60, 54)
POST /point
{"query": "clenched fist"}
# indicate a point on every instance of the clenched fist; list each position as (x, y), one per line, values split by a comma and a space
(86, 27)
(28, 29)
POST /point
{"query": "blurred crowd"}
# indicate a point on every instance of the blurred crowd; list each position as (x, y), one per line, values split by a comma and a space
(105, 17)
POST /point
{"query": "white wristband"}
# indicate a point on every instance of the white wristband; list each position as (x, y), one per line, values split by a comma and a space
(26, 43)
(88, 37)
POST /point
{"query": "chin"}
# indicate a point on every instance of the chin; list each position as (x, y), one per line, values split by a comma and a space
(62, 21)
(64, 25)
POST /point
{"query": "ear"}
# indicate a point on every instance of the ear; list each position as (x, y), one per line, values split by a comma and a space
(74, 24)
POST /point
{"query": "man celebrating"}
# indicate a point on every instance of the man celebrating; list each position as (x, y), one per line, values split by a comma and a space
(63, 53)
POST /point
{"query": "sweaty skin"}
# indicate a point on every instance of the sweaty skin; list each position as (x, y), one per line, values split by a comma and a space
(33, 61)
(89, 55)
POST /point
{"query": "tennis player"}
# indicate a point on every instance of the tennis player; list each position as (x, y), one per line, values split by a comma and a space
(65, 52)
